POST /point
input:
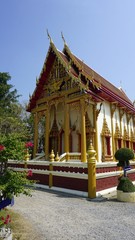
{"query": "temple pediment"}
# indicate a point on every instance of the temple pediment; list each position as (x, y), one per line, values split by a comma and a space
(58, 78)
(58, 81)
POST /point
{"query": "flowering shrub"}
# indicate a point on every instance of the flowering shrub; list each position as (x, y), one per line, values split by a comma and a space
(2, 153)
(29, 174)
(29, 146)
(11, 148)
(2, 148)
(14, 183)
(5, 221)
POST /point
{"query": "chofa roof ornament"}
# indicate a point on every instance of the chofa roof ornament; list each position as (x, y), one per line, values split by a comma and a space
(63, 39)
(49, 37)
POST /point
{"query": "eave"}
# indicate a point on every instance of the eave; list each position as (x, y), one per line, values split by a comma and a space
(111, 97)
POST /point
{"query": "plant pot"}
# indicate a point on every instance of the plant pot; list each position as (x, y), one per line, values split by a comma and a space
(125, 196)
(4, 203)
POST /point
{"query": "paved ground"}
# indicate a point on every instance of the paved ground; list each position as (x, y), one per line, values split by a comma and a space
(57, 216)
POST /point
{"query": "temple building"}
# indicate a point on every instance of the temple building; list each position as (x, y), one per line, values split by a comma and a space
(75, 105)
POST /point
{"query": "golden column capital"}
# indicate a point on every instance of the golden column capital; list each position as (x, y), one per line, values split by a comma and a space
(97, 111)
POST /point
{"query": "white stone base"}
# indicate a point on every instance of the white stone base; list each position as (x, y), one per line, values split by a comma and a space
(125, 196)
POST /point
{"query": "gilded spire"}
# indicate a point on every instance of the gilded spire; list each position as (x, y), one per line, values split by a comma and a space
(49, 37)
(37, 80)
(63, 38)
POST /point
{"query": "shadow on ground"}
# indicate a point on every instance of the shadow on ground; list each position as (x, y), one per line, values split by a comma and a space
(106, 197)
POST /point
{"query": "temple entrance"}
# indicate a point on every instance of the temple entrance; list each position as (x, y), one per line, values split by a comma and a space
(61, 150)
(75, 142)
(53, 144)
(54, 136)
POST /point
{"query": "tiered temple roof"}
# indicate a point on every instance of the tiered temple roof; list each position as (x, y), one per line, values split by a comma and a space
(91, 82)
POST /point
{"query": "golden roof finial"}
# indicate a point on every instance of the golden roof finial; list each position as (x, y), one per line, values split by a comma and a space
(63, 38)
(49, 37)
(37, 80)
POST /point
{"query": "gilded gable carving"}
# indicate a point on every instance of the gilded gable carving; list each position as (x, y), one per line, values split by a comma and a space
(105, 129)
(126, 135)
(132, 136)
(57, 78)
(74, 106)
(117, 132)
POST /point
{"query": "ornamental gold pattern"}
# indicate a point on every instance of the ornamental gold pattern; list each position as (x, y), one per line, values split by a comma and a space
(117, 132)
(105, 129)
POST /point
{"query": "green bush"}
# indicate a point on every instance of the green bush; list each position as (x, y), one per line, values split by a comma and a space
(13, 183)
(125, 185)
(14, 147)
(124, 154)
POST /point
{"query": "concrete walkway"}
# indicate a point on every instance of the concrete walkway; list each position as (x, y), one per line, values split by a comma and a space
(56, 216)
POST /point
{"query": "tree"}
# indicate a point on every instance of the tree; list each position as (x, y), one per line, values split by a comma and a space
(28, 120)
(13, 134)
(7, 97)
(11, 120)
(13, 128)
(9, 107)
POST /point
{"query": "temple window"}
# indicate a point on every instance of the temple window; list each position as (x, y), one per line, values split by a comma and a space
(126, 139)
(127, 144)
(108, 149)
(117, 137)
(133, 146)
(132, 133)
(119, 143)
(106, 142)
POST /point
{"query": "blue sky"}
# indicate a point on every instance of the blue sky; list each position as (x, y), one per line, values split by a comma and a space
(100, 32)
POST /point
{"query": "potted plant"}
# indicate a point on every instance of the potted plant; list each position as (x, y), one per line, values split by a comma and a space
(125, 188)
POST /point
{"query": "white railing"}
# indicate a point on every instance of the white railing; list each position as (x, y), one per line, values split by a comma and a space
(73, 174)
(63, 157)
(73, 165)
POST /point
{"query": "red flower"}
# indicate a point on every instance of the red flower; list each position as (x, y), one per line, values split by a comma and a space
(2, 218)
(30, 173)
(2, 147)
(29, 145)
(6, 220)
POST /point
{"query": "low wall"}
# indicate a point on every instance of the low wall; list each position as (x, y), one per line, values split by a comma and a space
(72, 175)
